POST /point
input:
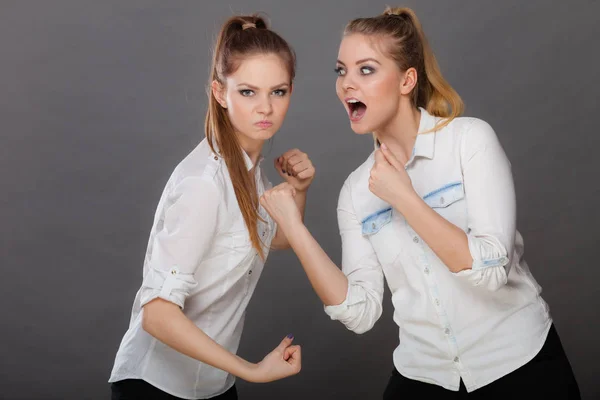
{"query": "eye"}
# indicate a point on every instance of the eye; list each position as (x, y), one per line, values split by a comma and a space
(340, 71)
(366, 70)
(280, 92)
(247, 92)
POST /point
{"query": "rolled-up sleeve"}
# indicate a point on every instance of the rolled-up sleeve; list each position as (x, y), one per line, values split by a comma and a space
(491, 207)
(183, 236)
(362, 306)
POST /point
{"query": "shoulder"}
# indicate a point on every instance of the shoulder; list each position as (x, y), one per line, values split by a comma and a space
(473, 131)
(200, 165)
(196, 177)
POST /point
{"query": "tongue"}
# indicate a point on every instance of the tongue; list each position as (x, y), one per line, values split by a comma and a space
(359, 110)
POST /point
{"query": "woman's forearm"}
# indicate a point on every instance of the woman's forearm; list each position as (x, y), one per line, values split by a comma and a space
(328, 281)
(166, 322)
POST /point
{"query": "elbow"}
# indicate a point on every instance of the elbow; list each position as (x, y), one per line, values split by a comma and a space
(366, 321)
(491, 279)
(281, 246)
(497, 279)
(359, 311)
(154, 313)
(148, 317)
(362, 329)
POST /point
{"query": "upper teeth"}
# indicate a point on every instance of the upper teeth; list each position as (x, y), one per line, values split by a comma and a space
(352, 101)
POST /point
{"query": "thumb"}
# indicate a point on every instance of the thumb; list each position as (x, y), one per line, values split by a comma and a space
(379, 157)
(390, 157)
(285, 343)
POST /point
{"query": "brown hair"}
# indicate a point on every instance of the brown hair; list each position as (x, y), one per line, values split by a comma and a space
(409, 48)
(240, 36)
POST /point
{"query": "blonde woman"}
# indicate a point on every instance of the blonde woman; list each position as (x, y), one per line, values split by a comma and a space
(432, 211)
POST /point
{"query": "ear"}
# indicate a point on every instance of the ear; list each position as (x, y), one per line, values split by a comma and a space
(409, 81)
(217, 92)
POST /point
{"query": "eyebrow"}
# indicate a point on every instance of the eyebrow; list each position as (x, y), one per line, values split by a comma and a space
(281, 85)
(361, 61)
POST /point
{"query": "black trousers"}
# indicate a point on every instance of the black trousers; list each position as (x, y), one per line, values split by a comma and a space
(547, 376)
(137, 389)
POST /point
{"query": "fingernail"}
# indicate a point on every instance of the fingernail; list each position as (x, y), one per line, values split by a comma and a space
(383, 146)
(290, 336)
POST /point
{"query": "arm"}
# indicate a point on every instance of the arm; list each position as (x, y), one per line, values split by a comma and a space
(390, 182)
(491, 207)
(445, 239)
(481, 254)
(187, 229)
(280, 241)
(353, 296)
(296, 169)
(166, 322)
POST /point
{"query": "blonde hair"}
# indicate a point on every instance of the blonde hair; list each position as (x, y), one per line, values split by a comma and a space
(409, 47)
(240, 36)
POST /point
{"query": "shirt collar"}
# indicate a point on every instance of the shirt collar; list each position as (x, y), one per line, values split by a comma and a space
(247, 159)
(425, 143)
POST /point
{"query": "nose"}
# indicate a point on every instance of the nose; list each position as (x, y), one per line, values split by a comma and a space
(265, 107)
(348, 83)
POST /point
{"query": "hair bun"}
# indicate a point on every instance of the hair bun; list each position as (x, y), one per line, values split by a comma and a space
(253, 21)
(395, 11)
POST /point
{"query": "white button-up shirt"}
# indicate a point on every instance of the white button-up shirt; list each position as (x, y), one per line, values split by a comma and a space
(478, 324)
(199, 257)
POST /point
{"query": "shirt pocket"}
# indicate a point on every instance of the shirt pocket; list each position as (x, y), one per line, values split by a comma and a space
(379, 229)
(449, 201)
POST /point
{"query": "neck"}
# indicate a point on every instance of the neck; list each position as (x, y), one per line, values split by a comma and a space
(400, 133)
(252, 147)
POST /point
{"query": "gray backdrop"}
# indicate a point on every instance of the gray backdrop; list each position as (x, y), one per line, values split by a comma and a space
(101, 99)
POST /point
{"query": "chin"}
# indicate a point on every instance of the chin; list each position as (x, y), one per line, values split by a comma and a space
(361, 128)
(264, 134)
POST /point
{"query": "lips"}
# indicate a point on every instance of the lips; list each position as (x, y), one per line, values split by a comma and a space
(264, 124)
(356, 109)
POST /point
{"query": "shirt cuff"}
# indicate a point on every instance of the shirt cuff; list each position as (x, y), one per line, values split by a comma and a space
(487, 252)
(490, 278)
(354, 295)
(170, 285)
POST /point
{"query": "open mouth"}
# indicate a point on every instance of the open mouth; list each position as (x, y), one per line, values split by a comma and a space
(356, 109)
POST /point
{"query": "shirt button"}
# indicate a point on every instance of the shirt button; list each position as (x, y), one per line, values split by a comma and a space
(456, 359)
(263, 233)
(216, 158)
(373, 225)
(250, 272)
(416, 239)
(447, 331)
(437, 302)
(442, 200)
(427, 270)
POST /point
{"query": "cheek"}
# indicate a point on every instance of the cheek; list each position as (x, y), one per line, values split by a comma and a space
(385, 95)
(338, 89)
(238, 110)
(281, 106)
